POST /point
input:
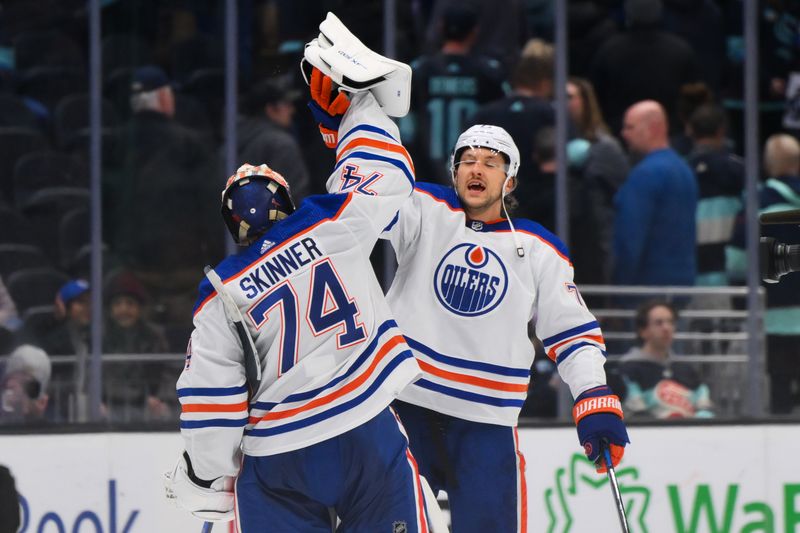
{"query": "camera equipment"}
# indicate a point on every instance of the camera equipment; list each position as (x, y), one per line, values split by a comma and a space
(778, 258)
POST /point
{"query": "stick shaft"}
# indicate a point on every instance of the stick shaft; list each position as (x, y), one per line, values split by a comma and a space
(612, 478)
(207, 527)
(252, 362)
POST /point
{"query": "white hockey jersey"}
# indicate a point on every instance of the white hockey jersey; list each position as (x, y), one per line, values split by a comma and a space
(463, 298)
(332, 357)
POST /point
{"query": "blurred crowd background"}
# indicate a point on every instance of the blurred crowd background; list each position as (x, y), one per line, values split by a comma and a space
(656, 178)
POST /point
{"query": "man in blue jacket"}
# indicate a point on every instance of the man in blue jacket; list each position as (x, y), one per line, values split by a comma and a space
(654, 230)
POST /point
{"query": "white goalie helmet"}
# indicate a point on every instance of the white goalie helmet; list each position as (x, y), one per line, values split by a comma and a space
(487, 136)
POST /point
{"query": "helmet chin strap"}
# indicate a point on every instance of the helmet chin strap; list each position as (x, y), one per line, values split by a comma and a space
(517, 243)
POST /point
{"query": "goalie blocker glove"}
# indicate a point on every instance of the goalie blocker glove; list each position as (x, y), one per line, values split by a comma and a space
(208, 500)
(598, 416)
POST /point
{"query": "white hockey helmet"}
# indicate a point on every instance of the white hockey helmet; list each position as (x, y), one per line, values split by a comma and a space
(487, 136)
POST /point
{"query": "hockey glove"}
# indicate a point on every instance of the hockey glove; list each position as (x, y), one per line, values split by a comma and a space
(207, 500)
(327, 105)
(598, 415)
(339, 54)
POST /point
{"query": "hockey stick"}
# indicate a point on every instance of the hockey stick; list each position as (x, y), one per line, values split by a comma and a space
(612, 478)
(436, 519)
(252, 363)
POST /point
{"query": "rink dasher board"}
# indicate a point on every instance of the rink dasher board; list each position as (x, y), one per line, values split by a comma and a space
(673, 479)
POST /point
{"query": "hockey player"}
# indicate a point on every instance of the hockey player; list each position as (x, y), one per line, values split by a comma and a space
(316, 431)
(449, 86)
(469, 280)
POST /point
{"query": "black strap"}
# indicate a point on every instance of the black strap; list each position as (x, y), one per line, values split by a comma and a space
(439, 424)
(190, 471)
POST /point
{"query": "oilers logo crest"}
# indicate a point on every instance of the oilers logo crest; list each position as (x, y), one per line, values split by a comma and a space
(470, 280)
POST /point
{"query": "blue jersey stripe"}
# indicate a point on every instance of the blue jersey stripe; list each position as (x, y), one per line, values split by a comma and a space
(375, 157)
(469, 396)
(440, 192)
(211, 391)
(471, 365)
(392, 223)
(570, 333)
(307, 395)
(566, 353)
(346, 406)
(523, 224)
(365, 127)
(214, 423)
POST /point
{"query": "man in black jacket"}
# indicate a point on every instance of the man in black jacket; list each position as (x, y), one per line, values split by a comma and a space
(643, 63)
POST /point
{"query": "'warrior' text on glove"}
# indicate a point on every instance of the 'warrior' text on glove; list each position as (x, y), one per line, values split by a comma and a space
(598, 415)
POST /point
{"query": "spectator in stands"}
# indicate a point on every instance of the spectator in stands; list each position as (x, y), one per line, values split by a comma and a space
(127, 330)
(779, 64)
(502, 39)
(720, 178)
(600, 166)
(692, 96)
(642, 63)
(654, 229)
(9, 318)
(161, 201)
(131, 389)
(590, 24)
(264, 133)
(654, 384)
(24, 386)
(73, 309)
(71, 336)
(543, 204)
(781, 192)
(448, 87)
(700, 23)
(522, 114)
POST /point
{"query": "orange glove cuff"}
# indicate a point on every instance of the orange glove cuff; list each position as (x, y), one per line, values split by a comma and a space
(330, 137)
(602, 404)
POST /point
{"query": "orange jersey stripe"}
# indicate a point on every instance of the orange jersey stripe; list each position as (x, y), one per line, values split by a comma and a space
(214, 407)
(551, 353)
(391, 343)
(380, 145)
(472, 380)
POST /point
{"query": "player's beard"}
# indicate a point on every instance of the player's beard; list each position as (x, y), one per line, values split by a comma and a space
(479, 205)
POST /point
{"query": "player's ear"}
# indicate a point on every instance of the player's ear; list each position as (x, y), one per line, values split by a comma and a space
(511, 184)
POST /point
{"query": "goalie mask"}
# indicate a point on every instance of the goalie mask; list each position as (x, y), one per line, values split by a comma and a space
(253, 199)
(494, 138)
